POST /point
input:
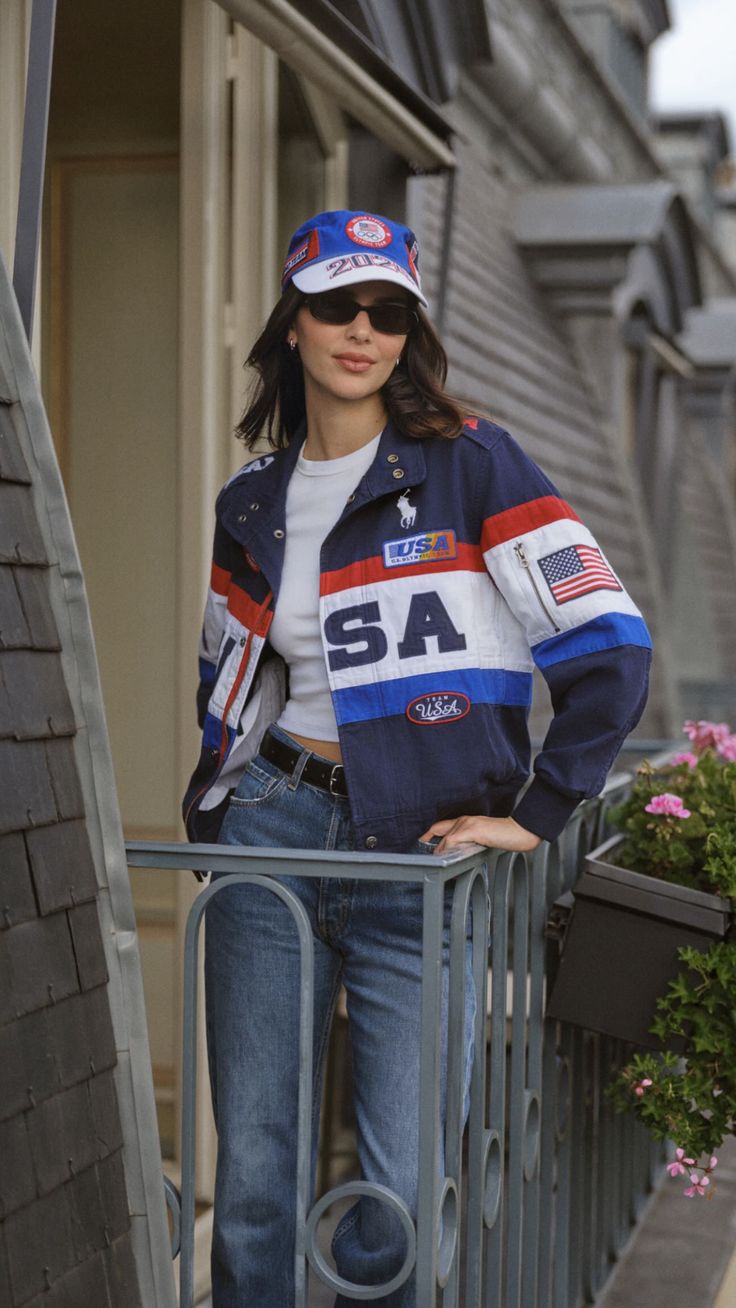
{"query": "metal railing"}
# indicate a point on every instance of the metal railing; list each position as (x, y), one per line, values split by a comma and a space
(539, 1189)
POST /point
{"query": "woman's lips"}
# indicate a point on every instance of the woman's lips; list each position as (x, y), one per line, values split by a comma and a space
(354, 362)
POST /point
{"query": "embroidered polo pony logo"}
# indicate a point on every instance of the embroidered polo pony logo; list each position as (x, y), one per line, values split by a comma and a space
(408, 511)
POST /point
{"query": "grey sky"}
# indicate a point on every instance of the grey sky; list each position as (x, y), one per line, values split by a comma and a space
(694, 65)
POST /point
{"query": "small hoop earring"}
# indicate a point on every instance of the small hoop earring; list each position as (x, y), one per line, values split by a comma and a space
(292, 346)
(398, 361)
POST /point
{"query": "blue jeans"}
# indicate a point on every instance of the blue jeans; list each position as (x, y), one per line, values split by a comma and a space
(367, 936)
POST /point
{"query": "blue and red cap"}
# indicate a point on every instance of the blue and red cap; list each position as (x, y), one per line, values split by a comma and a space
(346, 246)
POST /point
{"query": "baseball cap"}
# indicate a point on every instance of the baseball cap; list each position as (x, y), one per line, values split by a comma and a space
(344, 246)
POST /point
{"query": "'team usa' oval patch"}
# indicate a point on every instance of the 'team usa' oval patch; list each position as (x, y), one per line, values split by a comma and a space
(438, 706)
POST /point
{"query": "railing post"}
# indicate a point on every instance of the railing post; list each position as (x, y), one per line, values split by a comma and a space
(470, 890)
(429, 1093)
(189, 1077)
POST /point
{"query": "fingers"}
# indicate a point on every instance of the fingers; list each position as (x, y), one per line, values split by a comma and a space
(454, 838)
(460, 831)
(497, 833)
(438, 829)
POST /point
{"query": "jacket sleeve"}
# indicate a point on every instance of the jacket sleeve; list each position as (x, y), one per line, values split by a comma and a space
(585, 634)
(214, 619)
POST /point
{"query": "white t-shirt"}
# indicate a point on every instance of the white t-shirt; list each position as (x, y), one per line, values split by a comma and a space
(315, 498)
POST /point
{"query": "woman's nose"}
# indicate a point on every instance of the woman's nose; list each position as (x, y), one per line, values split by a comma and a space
(360, 327)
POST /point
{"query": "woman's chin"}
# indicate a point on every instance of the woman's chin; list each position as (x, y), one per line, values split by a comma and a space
(352, 386)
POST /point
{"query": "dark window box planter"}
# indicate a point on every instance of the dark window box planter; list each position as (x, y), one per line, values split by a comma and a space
(619, 945)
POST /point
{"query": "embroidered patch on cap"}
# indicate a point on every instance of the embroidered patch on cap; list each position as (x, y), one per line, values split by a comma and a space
(365, 230)
(412, 252)
(428, 547)
(438, 706)
(306, 252)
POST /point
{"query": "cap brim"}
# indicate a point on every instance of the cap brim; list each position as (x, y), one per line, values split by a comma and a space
(317, 278)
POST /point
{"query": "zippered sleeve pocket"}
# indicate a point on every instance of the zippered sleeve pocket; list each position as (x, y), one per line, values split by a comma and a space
(528, 570)
(557, 579)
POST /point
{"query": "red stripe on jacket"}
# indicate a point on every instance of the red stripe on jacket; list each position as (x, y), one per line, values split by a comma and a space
(367, 571)
(524, 517)
(220, 580)
(256, 617)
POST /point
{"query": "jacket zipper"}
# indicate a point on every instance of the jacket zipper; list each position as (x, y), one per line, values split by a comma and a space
(521, 555)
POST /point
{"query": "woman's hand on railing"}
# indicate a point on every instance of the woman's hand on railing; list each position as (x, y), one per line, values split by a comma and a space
(497, 832)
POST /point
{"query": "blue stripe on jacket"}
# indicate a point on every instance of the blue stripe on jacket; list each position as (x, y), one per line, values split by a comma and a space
(388, 698)
(605, 632)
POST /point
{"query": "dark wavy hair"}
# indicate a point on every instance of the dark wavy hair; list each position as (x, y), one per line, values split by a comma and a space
(414, 394)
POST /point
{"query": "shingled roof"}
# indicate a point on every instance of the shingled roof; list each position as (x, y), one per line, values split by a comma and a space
(76, 1113)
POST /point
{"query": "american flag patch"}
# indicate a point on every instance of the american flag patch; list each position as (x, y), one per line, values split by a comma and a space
(575, 571)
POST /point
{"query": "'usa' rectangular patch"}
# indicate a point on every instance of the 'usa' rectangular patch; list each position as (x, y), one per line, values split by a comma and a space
(428, 547)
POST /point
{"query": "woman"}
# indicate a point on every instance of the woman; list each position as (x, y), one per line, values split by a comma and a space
(383, 580)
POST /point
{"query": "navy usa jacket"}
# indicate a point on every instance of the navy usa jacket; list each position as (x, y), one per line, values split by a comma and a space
(453, 569)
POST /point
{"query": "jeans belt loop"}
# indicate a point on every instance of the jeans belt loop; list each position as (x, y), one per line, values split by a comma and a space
(299, 767)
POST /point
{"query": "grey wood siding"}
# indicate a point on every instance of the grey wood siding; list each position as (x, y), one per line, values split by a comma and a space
(511, 358)
(706, 501)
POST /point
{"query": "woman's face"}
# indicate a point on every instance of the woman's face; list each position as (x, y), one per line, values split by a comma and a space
(350, 361)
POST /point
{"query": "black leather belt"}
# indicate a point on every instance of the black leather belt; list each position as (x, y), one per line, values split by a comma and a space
(317, 772)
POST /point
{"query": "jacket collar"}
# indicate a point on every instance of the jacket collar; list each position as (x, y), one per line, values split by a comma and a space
(399, 465)
(252, 505)
(256, 496)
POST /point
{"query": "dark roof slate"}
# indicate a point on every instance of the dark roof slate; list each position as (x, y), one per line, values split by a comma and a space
(13, 466)
(121, 1272)
(43, 1225)
(34, 593)
(107, 1278)
(28, 1070)
(87, 943)
(14, 630)
(41, 967)
(105, 1114)
(36, 700)
(61, 1145)
(28, 793)
(20, 537)
(84, 1285)
(62, 867)
(82, 1034)
(17, 901)
(64, 779)
(17, 1186)
(5, 1296)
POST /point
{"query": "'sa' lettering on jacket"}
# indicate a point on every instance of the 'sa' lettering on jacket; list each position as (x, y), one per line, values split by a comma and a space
(452, 571)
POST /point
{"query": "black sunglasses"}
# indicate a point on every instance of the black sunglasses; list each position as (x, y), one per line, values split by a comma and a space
(339, 308)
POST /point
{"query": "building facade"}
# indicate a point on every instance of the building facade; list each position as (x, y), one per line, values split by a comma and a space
(581, 291)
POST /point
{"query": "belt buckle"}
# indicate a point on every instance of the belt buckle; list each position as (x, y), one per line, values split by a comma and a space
(337, 794)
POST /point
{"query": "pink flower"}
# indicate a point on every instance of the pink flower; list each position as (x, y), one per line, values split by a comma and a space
(642, 1086)
(677, 1168)
(726, 749)
(667, 804)
(686, 757)
(706, 735)
(713, 1163)
(698, 1185)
